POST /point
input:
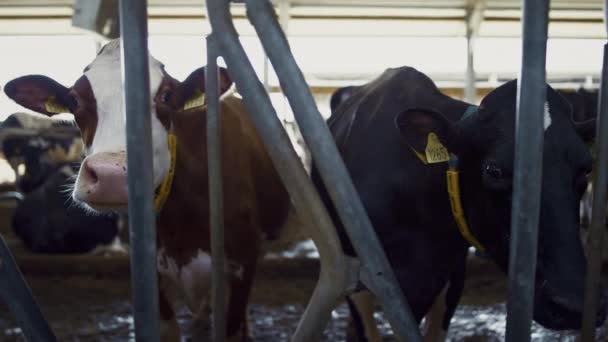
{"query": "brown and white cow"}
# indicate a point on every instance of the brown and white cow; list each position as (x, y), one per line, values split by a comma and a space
(255, 201)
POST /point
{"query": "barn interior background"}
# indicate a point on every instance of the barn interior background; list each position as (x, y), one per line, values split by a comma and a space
(467, 47)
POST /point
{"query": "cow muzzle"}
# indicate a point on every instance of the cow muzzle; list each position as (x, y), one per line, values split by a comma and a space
(102, 182)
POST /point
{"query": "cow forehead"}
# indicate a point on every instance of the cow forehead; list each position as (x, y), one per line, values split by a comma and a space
(104, 73)
(105, 78)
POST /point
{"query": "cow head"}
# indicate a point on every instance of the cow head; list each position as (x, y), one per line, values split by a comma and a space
(484, 143)
(96, 100)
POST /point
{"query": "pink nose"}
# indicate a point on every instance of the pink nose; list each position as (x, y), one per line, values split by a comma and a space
(103, 180)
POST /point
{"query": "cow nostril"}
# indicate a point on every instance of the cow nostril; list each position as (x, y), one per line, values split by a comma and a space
(90, 173)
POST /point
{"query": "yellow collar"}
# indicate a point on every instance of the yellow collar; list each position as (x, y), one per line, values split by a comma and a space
(165, 187)
(457, 211)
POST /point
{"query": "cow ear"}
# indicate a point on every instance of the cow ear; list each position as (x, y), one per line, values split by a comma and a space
(39, 93)
(420, 126)
(192, 89)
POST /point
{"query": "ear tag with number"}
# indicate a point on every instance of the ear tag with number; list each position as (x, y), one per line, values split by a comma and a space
(52, 106)
(196, 100)
(435, 152)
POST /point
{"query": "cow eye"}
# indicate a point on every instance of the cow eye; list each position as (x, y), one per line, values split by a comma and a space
(494, 177)
(493, 171)
(74, 102)
(165, 97)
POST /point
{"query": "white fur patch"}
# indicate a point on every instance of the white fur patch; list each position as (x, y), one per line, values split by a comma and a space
(193, 280)
(104, 75)
(547, 116)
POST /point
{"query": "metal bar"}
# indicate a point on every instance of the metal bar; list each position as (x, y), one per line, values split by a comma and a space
(17, 294)
(333, 172)
(142, 225)
(531, 95)
(216, 194)
(333, 280)
(11, 195)
(470, 92)
(63, 132)
(473, 18)
(595, 238)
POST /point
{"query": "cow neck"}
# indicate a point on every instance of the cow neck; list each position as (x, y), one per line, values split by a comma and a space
(453, 187)
(164, 189)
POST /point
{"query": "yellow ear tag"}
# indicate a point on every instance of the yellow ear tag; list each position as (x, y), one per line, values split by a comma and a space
(52, 106)
(435, 151)
(196, 100)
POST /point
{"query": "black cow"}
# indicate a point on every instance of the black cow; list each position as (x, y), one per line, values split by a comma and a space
(48, 222)
(39, 155)
(340, 96)
(382, 132)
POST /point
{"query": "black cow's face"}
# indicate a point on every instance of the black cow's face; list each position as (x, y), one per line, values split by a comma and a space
(561, 262)
(35, 158)
(484, 143)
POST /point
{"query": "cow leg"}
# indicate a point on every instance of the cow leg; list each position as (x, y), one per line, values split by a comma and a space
(361, 325)
(438, 319)
(169, 329)
(432, 330)
(237, 329)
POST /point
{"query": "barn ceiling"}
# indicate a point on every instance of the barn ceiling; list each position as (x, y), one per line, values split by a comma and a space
(500, 18)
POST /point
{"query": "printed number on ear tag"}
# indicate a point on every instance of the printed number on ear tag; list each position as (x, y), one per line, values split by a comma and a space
(435, 151)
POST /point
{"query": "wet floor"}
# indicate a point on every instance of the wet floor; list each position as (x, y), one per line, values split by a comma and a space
(97, 308)
(86, 298)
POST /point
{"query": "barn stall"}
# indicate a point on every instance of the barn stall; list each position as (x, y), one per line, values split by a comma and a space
(336, 43)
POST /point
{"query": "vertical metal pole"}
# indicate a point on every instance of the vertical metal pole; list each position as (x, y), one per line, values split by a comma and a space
(596, 231)
(142, 225)
(216, 195)
(531, 95)
(17, 295)
(470, 93)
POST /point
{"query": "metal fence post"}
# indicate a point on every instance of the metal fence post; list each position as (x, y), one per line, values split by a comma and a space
(595, 238)
(216, 195)
(381, 279)
(333, 280)
(531, 95)
(142, 221)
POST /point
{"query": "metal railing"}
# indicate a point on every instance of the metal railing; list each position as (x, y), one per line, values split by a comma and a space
(598, 220)
(379, 277)
(142, 220)
(336, 278)
(531, 94)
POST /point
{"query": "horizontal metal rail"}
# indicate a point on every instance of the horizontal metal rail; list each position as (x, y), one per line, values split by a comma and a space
(62, 132)
(11, 195)
(531, 95)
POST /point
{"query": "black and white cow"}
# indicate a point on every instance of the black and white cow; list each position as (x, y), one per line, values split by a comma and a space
(387, 131)
(46, 220)
(34, 158)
